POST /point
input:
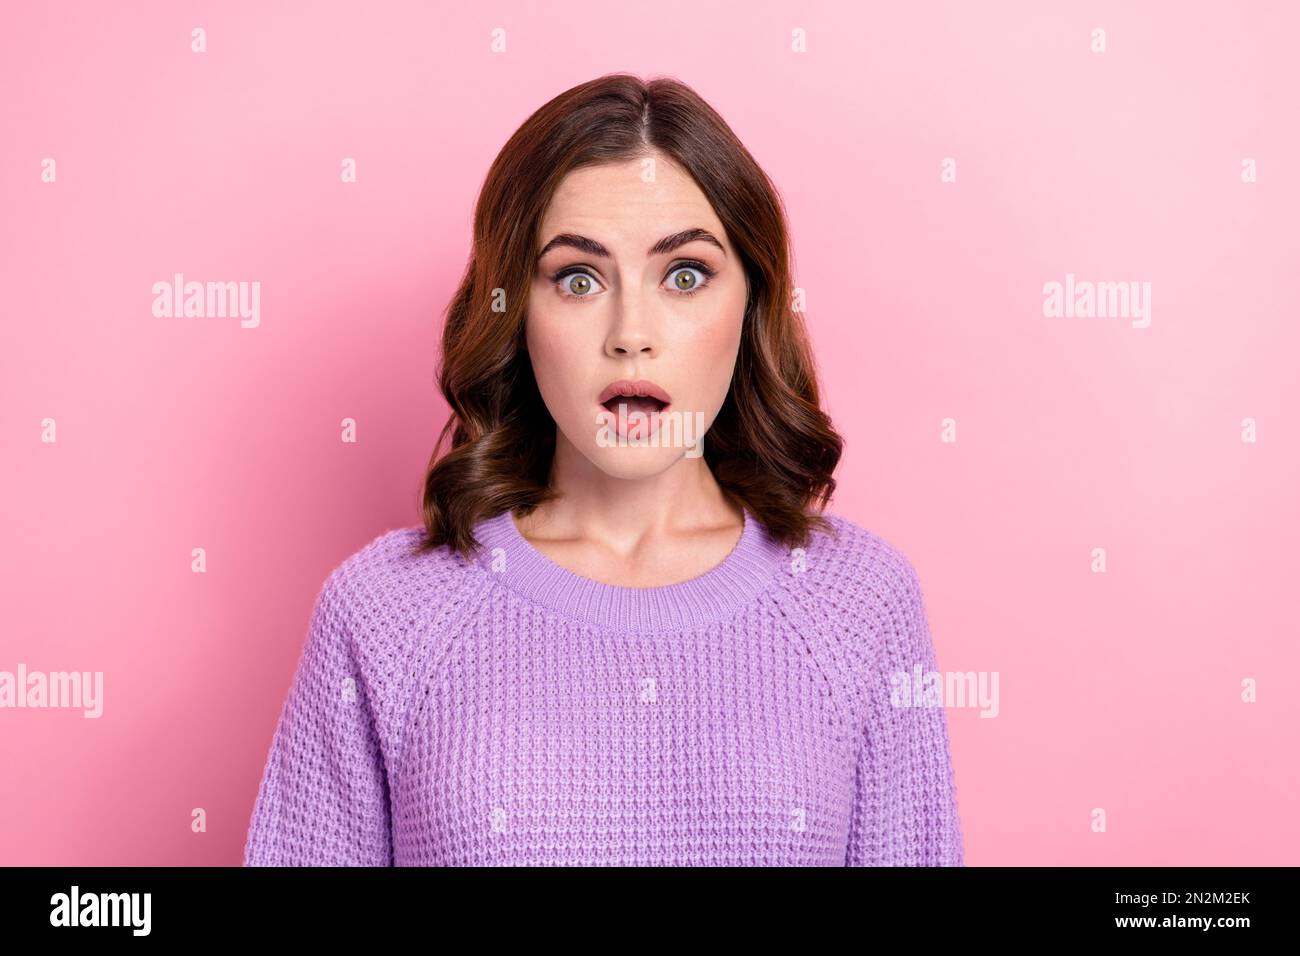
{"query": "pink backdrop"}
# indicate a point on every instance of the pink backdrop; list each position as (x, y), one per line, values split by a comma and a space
(1119, 690)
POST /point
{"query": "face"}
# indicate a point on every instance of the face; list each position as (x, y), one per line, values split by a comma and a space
(637, 281)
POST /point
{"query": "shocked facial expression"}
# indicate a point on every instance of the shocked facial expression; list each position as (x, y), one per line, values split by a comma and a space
(637, 299)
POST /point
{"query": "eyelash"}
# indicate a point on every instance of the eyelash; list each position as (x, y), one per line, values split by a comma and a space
(695, 264)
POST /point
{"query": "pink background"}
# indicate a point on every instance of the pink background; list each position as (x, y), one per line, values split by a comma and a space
(1117, 690)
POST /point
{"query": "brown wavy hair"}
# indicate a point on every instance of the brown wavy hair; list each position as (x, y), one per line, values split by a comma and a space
(771, 448)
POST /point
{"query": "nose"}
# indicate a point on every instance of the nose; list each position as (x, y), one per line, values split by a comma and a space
(630, 328)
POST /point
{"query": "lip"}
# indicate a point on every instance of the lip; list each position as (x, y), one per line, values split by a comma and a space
(627, 387)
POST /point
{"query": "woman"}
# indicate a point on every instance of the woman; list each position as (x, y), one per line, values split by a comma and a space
(620, 636)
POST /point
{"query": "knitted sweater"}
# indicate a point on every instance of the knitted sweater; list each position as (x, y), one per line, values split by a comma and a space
(503, 710)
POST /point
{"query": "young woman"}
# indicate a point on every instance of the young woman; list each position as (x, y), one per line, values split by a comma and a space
(621, 636)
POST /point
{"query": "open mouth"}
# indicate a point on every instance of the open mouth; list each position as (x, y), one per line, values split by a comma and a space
(646, 404)
(636, 395)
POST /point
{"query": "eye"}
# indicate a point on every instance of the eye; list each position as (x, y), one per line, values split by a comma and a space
(683, 282)
(581, 286)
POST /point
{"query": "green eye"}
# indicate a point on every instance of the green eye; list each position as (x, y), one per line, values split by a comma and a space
(689, 278)
(579, 282)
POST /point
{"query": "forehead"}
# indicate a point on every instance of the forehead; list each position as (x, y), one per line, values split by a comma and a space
(616, 199)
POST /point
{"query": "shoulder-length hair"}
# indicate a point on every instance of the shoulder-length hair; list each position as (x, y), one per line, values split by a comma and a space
(771, 448)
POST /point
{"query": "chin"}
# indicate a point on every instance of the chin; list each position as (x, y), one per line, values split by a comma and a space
(634, 463)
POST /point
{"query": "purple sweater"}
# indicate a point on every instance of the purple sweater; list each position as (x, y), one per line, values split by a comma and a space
(503, 710)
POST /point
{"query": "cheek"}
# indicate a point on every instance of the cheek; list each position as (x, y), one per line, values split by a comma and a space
(558, 357)
(711, 347)
(714, 343)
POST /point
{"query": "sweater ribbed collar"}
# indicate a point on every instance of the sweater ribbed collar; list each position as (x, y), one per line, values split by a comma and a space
(711, 596)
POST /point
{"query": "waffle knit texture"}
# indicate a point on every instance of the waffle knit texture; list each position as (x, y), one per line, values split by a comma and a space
(502, 710)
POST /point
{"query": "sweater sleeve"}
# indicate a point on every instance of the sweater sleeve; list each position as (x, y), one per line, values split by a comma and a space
(904, 806)
(323, 798)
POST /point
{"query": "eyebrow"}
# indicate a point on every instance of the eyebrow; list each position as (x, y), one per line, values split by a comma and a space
(666, 244)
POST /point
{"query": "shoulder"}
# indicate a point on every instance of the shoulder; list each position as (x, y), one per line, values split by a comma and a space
(853, 595)
(392, 587)
(866, 590)
(385, 609)
(863, 568)
(393, 562)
